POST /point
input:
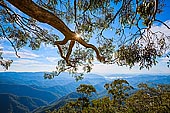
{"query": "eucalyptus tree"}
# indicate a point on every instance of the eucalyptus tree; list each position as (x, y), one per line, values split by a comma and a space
(150, 98)
(119, 92)
(129, 23)
(86, 91)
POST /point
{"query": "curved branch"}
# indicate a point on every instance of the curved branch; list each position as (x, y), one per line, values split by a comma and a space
(82, 42)
(68, 53)
(44, 16)
(70, 49)
(40, 14)
(62, 56)
(61, 52)
(163, 23)
(155, 9)
(75, 11)
(63, 42)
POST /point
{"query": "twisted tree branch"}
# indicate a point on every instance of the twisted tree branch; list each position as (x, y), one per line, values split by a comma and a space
(44, 16)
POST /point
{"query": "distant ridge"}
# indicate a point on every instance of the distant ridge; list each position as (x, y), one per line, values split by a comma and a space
(61, 102)
(58, 91)
(11, 103)
(23, 90)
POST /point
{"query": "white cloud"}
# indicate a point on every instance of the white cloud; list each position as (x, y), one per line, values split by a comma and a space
(162, 28)
(52, 59)
(29, 65)
(21, 54)
(25, 62)
(31, 68)
(104, 69)
(28, 55)
(165, 59)
(1, 47)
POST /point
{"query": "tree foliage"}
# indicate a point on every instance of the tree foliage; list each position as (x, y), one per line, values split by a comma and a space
(129, 23)
(118, 89)
(86, 89)
(149, 98)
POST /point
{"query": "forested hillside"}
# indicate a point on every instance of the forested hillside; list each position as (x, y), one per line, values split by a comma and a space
(28, 92)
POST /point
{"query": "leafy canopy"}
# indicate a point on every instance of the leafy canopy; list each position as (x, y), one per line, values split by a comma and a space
(128, 22)
(148, 98)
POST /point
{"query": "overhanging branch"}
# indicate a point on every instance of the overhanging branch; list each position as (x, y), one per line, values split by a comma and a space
(33, 10)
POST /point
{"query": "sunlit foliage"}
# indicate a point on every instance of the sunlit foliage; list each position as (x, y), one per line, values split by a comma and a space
(149, 98)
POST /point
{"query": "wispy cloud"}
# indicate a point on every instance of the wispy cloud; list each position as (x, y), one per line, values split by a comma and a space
(104, 69)
(26, 62)
(31, 68)
(1, 47)
(52, 59)
(28, 55)
(22, 54)
(165, 59)
(30, 65)
(162, 28)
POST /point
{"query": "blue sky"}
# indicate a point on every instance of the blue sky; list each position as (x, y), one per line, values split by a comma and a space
(45, 59)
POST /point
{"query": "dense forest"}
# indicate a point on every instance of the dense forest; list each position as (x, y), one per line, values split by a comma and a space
(150, 98)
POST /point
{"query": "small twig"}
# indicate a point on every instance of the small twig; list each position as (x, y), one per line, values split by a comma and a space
(87, 8)
(155, 10)
(163, 23)
(75, 11)
(16, 53)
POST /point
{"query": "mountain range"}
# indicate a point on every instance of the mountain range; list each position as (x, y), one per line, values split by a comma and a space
(25, 92)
